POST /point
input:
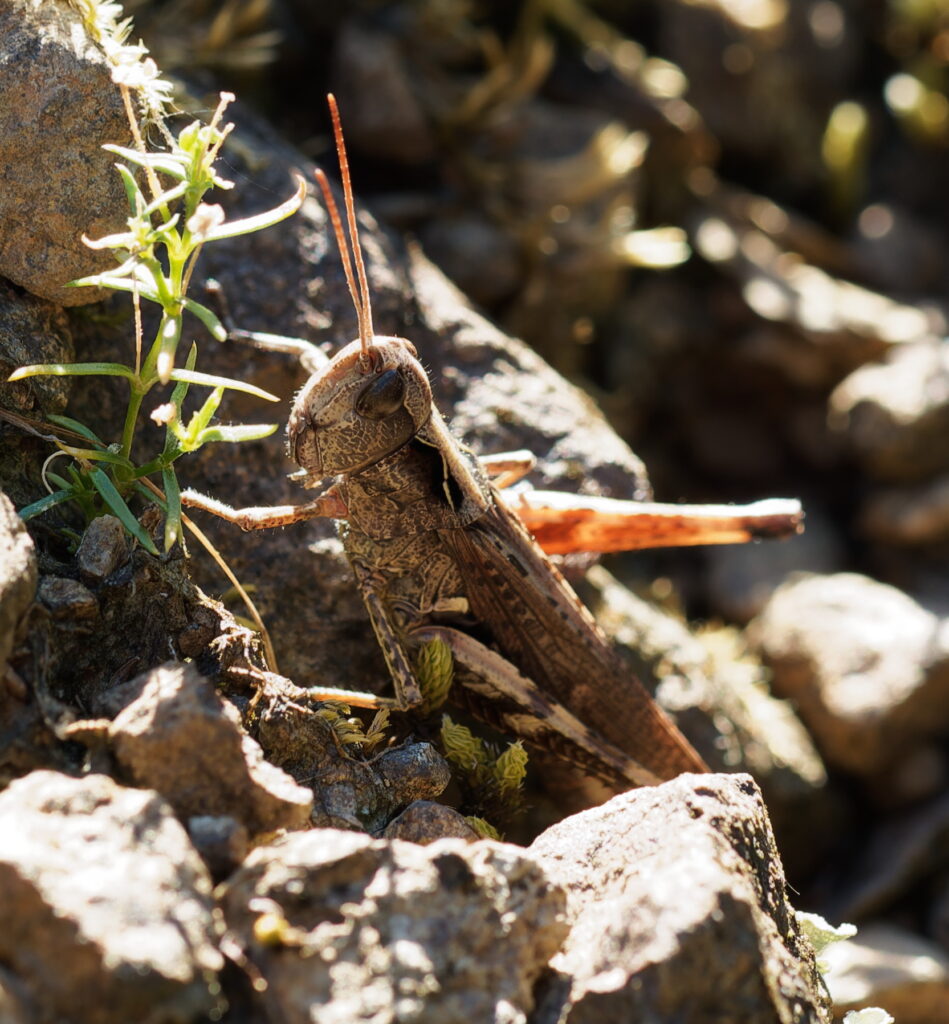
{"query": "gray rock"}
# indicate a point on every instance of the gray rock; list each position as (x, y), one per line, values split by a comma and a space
(17, 575)
(343, 928)
(104, 547)
(677, 905)
(891, 968)
(895, 414)
(179, 738)
(866, 666)
(107, 909)
(58, 106)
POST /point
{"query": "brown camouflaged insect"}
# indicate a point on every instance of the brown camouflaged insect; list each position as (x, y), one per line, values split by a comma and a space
(438, 553)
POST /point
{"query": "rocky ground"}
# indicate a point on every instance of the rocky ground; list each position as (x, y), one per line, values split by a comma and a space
(726, 222)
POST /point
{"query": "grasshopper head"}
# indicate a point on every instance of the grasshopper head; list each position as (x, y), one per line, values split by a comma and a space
(374, 395)
(359, 408)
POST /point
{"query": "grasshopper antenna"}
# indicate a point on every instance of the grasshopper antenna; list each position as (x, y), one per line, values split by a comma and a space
(361, 295)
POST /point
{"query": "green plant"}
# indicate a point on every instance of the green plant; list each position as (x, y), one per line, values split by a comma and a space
(167, 229)
(491, 781)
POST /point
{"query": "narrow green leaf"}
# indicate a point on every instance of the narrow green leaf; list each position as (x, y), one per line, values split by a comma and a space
(181, 388)
(50, 501)
(132, 192)
(62, 483)
(173, 499)
(152, 466)
(210, 380)
(208, 318)
(172, 449)
(116, 502)
(231, 229)
(170, 336)
(146, 288)
(202, 417)
(166, 163)
(126, 268)
(97, 455)
(240, 432)
(74, 425)
(73, 370)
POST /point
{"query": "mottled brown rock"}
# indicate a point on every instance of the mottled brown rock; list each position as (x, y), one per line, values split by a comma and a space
(892, 968)
(104, 547)
(32, 331)
(413, 771)
(58, 107)
(17, 574)
(67, 599)
(424, 821)
(107, 909)
(348, 792)
(866, 666)
(137, 613)
(179, 738)
(25, 740)
(345, 928)
(678, 911)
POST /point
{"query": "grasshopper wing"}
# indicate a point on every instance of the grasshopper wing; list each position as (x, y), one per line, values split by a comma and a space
(537, 622)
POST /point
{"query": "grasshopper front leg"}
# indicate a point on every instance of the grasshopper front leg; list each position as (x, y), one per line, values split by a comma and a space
(407, 691)
(328, 505)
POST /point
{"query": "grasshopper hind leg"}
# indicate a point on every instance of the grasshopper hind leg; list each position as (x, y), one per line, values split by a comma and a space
(511, 702)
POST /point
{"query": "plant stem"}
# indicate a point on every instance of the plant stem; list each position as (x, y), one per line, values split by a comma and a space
(136, 397)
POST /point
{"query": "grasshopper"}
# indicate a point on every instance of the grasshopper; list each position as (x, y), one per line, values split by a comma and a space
(438, 554)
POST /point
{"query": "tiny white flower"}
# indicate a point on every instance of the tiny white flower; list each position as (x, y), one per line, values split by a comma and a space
(164, 414)
(205, 218)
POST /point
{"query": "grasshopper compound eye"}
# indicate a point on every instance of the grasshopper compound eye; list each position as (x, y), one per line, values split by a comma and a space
(381, 397)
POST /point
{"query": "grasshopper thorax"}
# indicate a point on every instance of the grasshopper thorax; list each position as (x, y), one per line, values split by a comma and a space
(358, 410)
